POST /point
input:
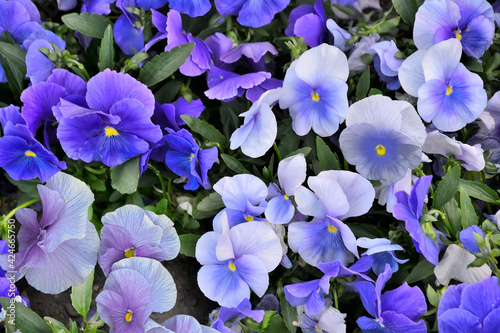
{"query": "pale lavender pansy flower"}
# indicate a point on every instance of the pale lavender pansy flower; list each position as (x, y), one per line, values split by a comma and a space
(244, 196)
(329, 320)
(471, 156)
(386, 193)
(315, 91)
(236, 261)
(449, 95)
(382, 252)
(470, 22)
(395, 311)
(251, 13)
(337, 196)
(181, 324)
(59, 250)
(259, 129)
(340, 36)
(470, 307)
(131, 231)
(291, 175)
(383, 138)
(134, 289)
(409, 209)
(235, 314)
(356, 65)
(386, 63)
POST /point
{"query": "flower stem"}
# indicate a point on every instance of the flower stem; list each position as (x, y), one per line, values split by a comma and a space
(162, 182)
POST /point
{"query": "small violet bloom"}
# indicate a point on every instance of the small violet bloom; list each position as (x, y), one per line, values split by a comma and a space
(22, 156)
(309, 22)
(315, 91)
(468, 240)
(244, 196)
(291, 175)
(259, 129)
(356, 65)
(179, 324)
(129, 38)
(131, 231)
(115, 127)
(169, 115)
(395, 311)
(235, 314)
(185, 158)
(337, 196)
(449, 95)
(329, 320)
(251, 13)
(470, 307)
(59, 250)
(469, 22)
(382, 252)
(409, 209)
(386, 64)
(134, 289)
(237, 260)
(192, 8)
(383, 138)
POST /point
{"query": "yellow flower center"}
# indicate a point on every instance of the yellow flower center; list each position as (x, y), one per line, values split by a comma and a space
(249, 218)
(128, 316)
(191, 157)
(29, 153)
(331, 228)
(458, 35)
(286, 197)
(449, 90)
(231, 266)
(110, 131)
(380, 149)
(315, 96)
(129, 253)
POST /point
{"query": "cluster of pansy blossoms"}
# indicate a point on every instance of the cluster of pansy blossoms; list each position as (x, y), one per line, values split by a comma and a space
(320, 166)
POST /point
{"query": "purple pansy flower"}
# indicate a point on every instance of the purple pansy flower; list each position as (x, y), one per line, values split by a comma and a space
(337, 196)
(467, 238)
(134, 289)
(315, 91)
(244, 196)
(383, 138)
(192, 8)
(129, 38)
(470, 307)
(251, 13)
(382, 252)
(131, 231)
(179, 324)
(386, 64)
(186, 159)
(449, 95)
(395, 311)
(291, 175)
(169, 115)
(409, 209)
(470, 22)
(23, 157)
(235, 314)
(237, 260)
(309, 22)
(59, 250)
(115, 127)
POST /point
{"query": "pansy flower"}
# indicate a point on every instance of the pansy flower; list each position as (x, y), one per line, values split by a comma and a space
(251, 13)
(386, 64)
(329, 320)
(235, 315)
(382, 252)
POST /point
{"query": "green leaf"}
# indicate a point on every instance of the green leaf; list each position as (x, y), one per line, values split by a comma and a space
(81, 296)
(200, 215)
(25, 319)
(289, 314)
(107, 51)
(421, 271)
(234, 164)
(480, 191)
(276, 325)
(363, 84)
(15, 55)
(305, 151)
(374, 91)
(55, 325)
(125, 177)
(406, 9)
(165, 64)
(92, 24)
(204, 129)
(14, 77)
(467, 211)
(452, 212)
(432, 296)
(327, 159)
(188, 244)
(211, 202)
(447, 187)
(29, 187)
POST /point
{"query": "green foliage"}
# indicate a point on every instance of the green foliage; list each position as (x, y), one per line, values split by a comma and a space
(81, 296)
(406, 9)
(107, 51)
(188, 244)
(25, 319)
(327, 159)
(447, 188)
(204, 129)
(125, 177)
(88, 24)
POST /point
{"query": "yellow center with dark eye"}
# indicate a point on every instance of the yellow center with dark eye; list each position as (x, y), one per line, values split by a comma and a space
(110, 131)
(128, 316)
(449, 90)
(458, 35)
(380, 149)
(231, 266)
(315, 96)
(129, 253)
(331, 228)
(286, 197)
(29, 153)
(249, 218)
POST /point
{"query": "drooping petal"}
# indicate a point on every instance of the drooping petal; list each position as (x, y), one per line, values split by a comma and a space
(292, 173)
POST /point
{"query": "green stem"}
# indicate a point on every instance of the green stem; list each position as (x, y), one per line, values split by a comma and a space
(7, 217)
(445, 219)
(82, 68)
(162, 182)
(276, 149)
(336, 297)
(95, 171)
(243, 327)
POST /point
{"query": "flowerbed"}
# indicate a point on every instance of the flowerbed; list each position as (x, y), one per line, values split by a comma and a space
(333, 167)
